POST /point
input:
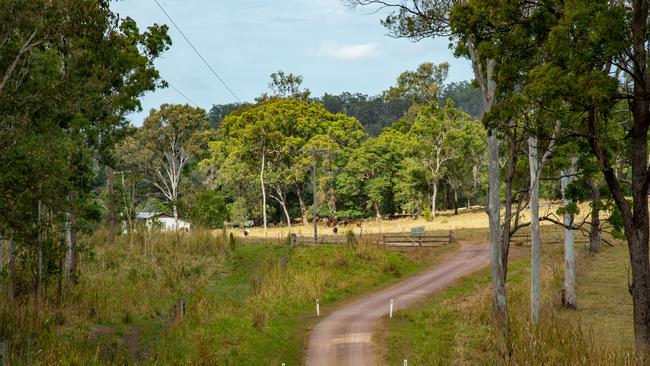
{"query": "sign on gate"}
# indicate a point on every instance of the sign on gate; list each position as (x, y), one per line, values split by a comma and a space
(418, 230)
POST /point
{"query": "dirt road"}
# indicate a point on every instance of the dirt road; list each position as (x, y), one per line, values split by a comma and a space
(344, 337)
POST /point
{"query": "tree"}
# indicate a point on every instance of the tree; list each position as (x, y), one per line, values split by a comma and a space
(374, 112)
(596, 57)
(466, 97)
(219, 111)
(70, 70)
(275, 139)
(436, 141)
(422, 86)
(165, 144)
(420, 19)
(367, 179)
(288, 86)
(209, 210)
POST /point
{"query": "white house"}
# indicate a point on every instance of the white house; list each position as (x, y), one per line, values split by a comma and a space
(162, 221)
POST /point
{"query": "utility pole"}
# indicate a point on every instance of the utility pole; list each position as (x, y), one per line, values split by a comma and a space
(314, 153)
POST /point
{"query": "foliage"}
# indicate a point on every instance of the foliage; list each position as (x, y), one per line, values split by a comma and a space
(70, 72)
(209, 210)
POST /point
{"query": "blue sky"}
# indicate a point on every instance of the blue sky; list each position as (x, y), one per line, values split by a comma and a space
(333, 47)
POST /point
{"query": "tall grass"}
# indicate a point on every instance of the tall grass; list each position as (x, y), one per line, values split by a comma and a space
(458, 328)
(245, 303)
(121, 285)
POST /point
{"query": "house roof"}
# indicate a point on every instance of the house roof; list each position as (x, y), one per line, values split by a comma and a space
(146, 214)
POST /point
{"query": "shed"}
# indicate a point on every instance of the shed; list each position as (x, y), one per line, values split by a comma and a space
(162, 221)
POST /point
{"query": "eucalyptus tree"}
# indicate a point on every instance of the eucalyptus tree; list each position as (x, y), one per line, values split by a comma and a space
(596, 57)
(367, 180)
(275, 138)
(162, 148)
(423, 86)
(438, 136)
(71, 70)
(422, 19)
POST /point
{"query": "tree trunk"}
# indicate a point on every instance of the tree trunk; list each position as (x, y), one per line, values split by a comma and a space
(286, 214)
(434, 196)
(507, 215)
(68, 246)
(39, 260)
(111, 205)
(263, 191)
(303, 208)
(500, 303)
(11, 285)
(536, 245)
(636, 220)
(569, 296)
(455, 201)
(594, 231)
(3, 239)
(469, 206)
(175, 212)
(71, 257)
(377, 211)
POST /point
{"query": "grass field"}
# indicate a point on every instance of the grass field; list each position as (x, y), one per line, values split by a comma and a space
(247, 304)
(444, 221)
(456, 327)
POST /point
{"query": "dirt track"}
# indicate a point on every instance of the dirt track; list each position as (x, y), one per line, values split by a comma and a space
(344, 337)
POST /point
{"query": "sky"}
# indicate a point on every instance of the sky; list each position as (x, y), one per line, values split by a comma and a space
(333, 47)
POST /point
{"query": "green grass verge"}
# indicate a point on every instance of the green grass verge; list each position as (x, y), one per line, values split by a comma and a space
(250, 306)
(455, 327)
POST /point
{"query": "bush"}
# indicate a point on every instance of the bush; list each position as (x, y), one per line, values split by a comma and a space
(427, 214)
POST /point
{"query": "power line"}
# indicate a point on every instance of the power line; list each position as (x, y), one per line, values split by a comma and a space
(181, 93)
(196, 51)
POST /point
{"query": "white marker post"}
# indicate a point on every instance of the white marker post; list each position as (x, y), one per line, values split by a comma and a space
(406, 362)
(317, 307)
(390, 312)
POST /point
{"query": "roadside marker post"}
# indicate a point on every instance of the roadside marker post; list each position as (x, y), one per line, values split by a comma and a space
(317, 307)
(390, 312)
(406, 362)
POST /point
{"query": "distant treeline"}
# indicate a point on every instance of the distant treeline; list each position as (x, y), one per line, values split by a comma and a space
(375, 112)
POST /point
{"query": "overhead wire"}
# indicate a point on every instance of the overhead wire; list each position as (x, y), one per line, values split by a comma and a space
(181, 93)
(197, 52)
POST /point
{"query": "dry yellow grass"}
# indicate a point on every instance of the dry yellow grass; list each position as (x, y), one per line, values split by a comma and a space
(444, 221)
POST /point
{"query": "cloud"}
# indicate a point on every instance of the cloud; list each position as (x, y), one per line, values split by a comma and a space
(346, 52)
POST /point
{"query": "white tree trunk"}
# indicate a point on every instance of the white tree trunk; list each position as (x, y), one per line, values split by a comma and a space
(286, 214)
(536, 245)
(434, 197)
(175, 211)
(263, 190)
(500, 303)
(569, 297)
